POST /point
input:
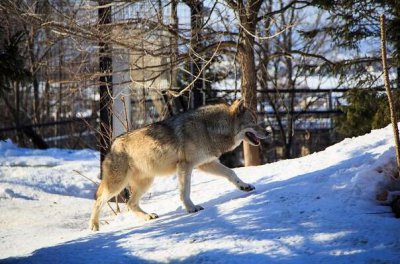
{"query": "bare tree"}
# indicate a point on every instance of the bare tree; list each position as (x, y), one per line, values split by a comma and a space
(392, 106)
(160, 46)
(285, 63)
(51, 57)
(105, 88)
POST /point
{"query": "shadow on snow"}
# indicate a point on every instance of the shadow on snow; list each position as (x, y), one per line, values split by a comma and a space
(295, 238)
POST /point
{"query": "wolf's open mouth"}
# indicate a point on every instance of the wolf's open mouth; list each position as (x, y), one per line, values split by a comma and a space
(253, 138)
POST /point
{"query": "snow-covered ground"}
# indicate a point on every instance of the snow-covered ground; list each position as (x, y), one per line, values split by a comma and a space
(317, 209)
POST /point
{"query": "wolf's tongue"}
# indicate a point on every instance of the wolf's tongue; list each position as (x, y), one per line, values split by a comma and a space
(252, 138)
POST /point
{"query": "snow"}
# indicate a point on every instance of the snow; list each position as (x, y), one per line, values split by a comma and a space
(317, 209)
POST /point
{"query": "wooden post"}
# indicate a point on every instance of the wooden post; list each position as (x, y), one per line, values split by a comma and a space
(393, 117)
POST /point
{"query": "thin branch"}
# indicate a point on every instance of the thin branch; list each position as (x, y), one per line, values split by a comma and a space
(189, 86)
(269, 37)
(283, 9)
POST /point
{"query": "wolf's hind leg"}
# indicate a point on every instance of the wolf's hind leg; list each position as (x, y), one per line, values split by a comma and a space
(219, 169)
(139, 186)
(101, 198)
(103, 194)
(114, 180)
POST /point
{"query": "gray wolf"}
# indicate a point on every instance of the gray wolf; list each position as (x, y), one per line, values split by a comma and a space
(179, 144)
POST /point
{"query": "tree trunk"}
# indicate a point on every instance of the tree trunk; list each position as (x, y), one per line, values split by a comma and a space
(196, 23)
(36, 117)
(174, 44)
(397, 43)
(292, 86)
(17, 104)
(392, 108)
(105, 88)
(248, 80)
(249, 94)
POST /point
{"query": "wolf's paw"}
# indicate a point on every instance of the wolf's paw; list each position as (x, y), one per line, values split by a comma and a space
(150, 216)
(94, 226)
(194, 209)
(247, 188)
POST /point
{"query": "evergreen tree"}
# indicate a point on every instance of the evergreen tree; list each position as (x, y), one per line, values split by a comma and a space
(13, 73)
(354, 26)
(367, 109)
(12, 65)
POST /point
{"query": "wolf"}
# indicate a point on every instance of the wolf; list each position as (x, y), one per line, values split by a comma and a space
(177, 145)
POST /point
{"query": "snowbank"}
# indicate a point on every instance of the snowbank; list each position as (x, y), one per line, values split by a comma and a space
(315, 209)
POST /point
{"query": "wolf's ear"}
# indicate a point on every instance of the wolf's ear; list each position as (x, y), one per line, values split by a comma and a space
(238, 106)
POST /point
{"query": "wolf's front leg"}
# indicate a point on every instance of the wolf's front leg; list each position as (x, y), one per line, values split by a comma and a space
(184, 172)
(219, 169)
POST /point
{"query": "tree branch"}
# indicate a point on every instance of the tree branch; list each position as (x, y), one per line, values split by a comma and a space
(283, 9)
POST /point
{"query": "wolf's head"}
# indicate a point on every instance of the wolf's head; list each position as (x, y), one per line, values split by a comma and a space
(246, 127)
